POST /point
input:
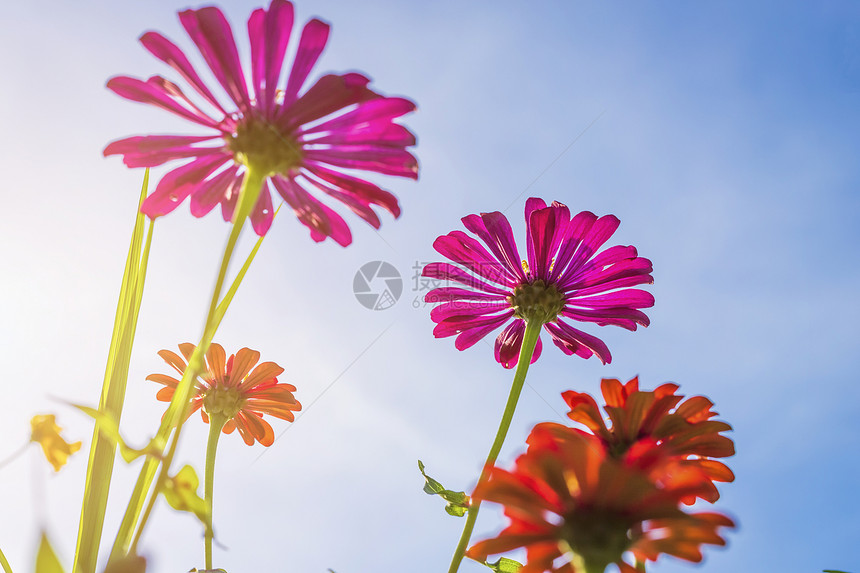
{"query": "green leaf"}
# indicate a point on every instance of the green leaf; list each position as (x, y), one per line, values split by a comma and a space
(834, 571)
(46, 559)
(458, 502)
(108, 427)
(504, 565)
(180, 491)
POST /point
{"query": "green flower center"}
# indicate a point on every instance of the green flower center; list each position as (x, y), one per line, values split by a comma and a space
(597, 538)
(265, 147)
(536, 301)
(224, 401)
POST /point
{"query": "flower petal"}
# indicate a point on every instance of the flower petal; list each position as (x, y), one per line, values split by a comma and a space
(170, 54)
(211, 32)
(313, 41)
(321, 220)
(147, 92)
(178, 184)
(573, 341)
(495, 230)
(269, 33)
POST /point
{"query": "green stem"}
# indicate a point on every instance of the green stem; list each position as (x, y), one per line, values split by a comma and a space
(216, 423)
(4, 563)
(252, 185)
(530, 338)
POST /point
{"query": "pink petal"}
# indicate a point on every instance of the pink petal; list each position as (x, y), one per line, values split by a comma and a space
(448, 294)
(262, 215)
(356, 205)
(211, 32)
(632, 298)
(470, 336)
(170, 54)
(466, 251)
(546, 228)
(573, 341)
(619, 316)
(152, 150)
(145, 92)
(456, 325)
(375, 111)
(231, 196)
(466, 310)
(329, 94)
(311, 45)
(638, 267)
(269, 34)
(449, 272)
(178, 184)
(321, 220)
(378, 133)
(508, 343)
(578, 228)
(361, 189)
(495, 230)
(212, 191)
(390, 161)
(532, 205)
(599, 233)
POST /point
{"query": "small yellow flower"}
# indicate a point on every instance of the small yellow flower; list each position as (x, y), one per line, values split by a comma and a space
(46, 432)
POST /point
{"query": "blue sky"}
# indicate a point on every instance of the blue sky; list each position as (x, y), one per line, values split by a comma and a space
(723, 135)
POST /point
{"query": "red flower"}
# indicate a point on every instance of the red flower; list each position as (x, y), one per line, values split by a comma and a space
(575, 509)
(231, 388)
(648, 427)
(302, 141)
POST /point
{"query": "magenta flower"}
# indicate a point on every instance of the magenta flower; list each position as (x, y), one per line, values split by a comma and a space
(564, 279)
(301, 141)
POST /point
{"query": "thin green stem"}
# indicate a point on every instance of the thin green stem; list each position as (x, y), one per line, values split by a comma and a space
(216, 423)
(162, 477)
(175, 416)
(5, 564)
(530, 338)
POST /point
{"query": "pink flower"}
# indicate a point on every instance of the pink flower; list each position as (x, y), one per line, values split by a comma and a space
(302, 141)
(564, 279)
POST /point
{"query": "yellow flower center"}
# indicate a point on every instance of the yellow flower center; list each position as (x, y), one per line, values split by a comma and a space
(262, 145)
(536, 301)
(224, 401)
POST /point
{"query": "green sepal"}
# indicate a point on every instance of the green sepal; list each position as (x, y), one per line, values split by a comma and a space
(504, 565)
(458, 502)
(196, 570)
(46, 559)
(108, 427)
(180, 491)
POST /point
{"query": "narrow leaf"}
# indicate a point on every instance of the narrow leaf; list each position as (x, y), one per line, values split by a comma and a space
(108, 427)
(457, 501)
(46, 559)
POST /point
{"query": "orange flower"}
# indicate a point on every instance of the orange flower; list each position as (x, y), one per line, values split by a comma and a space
(575, 509)
(231, 388)
(45, 431)
(650, 426)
